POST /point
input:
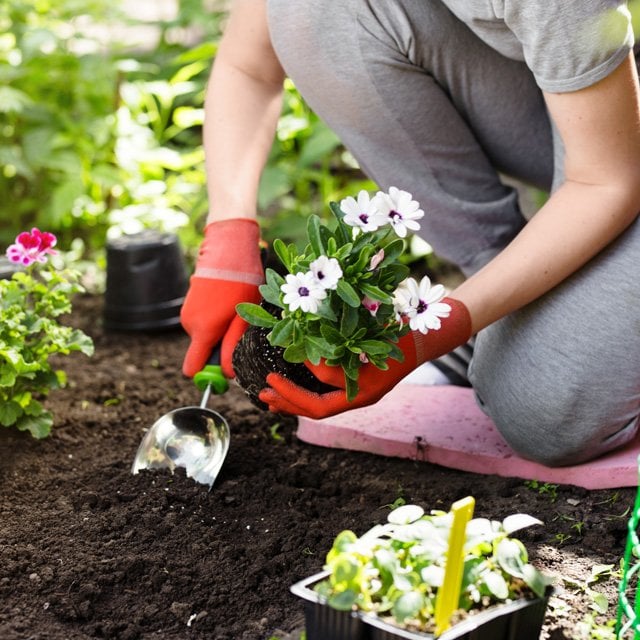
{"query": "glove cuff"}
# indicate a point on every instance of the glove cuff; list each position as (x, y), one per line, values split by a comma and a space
(232, 246)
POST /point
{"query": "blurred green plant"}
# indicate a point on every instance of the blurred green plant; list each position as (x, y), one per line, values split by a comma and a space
(56, 118)
(31, 303)
(97, 139)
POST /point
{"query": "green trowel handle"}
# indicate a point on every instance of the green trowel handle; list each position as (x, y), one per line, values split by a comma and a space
(211, 375)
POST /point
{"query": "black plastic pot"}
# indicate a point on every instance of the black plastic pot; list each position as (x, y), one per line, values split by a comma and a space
(519, 620)
(146, 282)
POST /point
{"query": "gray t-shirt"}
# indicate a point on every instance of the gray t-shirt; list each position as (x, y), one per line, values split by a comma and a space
(567, 44)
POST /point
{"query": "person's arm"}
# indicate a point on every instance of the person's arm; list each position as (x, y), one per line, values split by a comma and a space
(242, 106)
(600, 129)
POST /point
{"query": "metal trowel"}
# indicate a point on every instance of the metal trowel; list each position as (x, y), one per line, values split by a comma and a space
(194, 438)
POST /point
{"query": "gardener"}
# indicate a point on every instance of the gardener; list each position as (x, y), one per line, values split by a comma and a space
(440, 98)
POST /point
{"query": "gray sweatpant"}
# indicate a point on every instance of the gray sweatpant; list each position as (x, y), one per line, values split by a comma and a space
(426, 106)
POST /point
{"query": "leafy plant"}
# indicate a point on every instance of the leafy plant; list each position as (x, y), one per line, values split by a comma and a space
(543, 488)
(347, 298)
(395, 569)
(30, 304)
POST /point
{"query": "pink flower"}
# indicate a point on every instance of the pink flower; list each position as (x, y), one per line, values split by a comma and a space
(370, 305)
(376, 260)
(32, 247)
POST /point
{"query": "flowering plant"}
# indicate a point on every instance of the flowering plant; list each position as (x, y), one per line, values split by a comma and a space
(347, 298)
(30, 303)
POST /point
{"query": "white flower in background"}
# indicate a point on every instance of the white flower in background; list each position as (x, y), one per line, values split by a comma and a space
(421, 304)
(327, 271)
(362, 213)
(400, 210)
(302, 291)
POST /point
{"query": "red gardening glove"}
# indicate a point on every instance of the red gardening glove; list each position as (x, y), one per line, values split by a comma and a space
(284, 396)
(228, 271)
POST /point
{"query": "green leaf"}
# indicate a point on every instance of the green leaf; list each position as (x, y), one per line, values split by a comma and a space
(9, 413)
(512, 556)
(349, 320)
(38, 426)
(375, 347)
(13, 100)
(351, 388)
(271, 295)
(375, 293)
(343, 601)
(331, 334)
(342, 230)
(282, 332)
(392, 252)
(255, 314)
(342, 253)
(395, 352)
(271, 291)
(317, 348)
(348, 293)
(79, 341)
(496, 584)
(295, 353)
(408, 605)
(536, 580)
(325, 311)
(313, 233)
(344, 569)
(282, 251)
(599, 602)
(361, 264)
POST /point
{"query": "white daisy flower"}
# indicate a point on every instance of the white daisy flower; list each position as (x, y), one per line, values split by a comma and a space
(421, 304)
(362, 213)
(302, 291)
(400, 209)
(327, 271)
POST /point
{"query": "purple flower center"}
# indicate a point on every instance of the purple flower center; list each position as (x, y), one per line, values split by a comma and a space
(364, 218)
(394, 215)
(422, 306)
(320, 275)
(303, 292)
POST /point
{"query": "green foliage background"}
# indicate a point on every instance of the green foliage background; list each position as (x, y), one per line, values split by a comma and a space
(99, 137)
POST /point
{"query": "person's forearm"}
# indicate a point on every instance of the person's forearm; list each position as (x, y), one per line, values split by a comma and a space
(573, 226)
(240, 123)
(600, 128)
(242, 106)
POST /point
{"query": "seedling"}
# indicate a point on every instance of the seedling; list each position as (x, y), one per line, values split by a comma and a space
(273, 432)
(397, 569)
(543, 488)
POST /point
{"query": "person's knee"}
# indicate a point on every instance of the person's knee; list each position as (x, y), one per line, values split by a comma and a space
(558, 429)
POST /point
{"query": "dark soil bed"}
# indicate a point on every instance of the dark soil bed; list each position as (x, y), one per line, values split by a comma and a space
(88, 550)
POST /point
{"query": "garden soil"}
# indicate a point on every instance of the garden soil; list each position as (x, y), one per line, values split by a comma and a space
(88, 550)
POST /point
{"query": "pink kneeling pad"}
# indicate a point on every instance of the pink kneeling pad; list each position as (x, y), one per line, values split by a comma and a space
(444, 425)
